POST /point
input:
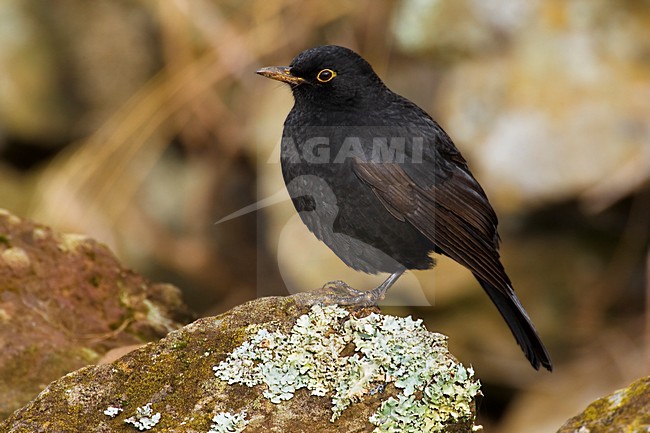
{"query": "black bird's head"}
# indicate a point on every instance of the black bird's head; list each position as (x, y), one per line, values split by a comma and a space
(329, 75)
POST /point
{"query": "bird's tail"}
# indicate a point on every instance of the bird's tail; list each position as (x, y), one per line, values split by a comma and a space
(520, 324)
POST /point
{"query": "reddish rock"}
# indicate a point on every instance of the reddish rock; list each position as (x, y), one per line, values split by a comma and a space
(65, 301)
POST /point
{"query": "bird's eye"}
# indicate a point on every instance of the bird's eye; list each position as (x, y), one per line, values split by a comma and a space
(325, 75)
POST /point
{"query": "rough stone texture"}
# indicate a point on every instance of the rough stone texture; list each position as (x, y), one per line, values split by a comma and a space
(626, 410)
(64, 302)
(175, 378)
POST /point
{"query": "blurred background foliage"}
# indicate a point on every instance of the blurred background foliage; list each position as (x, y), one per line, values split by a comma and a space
(142, 123)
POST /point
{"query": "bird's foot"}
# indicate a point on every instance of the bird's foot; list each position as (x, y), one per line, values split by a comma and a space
(339, 286)
(341, 293)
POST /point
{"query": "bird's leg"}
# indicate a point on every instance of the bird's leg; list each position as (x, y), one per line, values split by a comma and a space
(346, 295)
(378, 293)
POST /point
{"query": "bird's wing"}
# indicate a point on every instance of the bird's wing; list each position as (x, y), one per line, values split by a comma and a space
(447, 205)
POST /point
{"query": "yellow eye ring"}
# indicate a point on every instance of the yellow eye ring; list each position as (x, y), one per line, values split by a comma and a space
(325, 75)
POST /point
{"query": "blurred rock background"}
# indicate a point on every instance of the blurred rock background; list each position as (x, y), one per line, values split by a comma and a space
(141, 123)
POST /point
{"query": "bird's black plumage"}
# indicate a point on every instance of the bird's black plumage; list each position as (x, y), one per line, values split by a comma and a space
(381, 183)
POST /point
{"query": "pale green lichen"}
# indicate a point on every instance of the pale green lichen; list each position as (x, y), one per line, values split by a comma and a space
(225, 422)
(446, 399)
(286, 363)
(113, 411)
(387, 349)
(144, 418)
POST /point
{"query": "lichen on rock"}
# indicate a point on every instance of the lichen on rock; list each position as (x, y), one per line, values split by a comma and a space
(144, 418)
(226, 422)
(352, 365)
(435, 389)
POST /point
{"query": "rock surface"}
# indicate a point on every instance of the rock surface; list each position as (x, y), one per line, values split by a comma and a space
(626, 410)
(65, 301)
(277, 364)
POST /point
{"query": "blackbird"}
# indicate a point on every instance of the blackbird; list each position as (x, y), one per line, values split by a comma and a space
(375, 178)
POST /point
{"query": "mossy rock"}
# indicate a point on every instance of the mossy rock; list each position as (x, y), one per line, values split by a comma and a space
(271, 365)
(625, 411)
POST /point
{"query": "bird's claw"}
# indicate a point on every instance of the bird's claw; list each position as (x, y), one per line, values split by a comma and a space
(343, 294)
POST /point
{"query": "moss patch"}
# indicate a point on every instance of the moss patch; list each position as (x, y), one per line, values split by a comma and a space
(625, 411)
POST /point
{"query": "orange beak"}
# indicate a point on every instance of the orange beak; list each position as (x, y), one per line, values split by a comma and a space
(280, 73)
